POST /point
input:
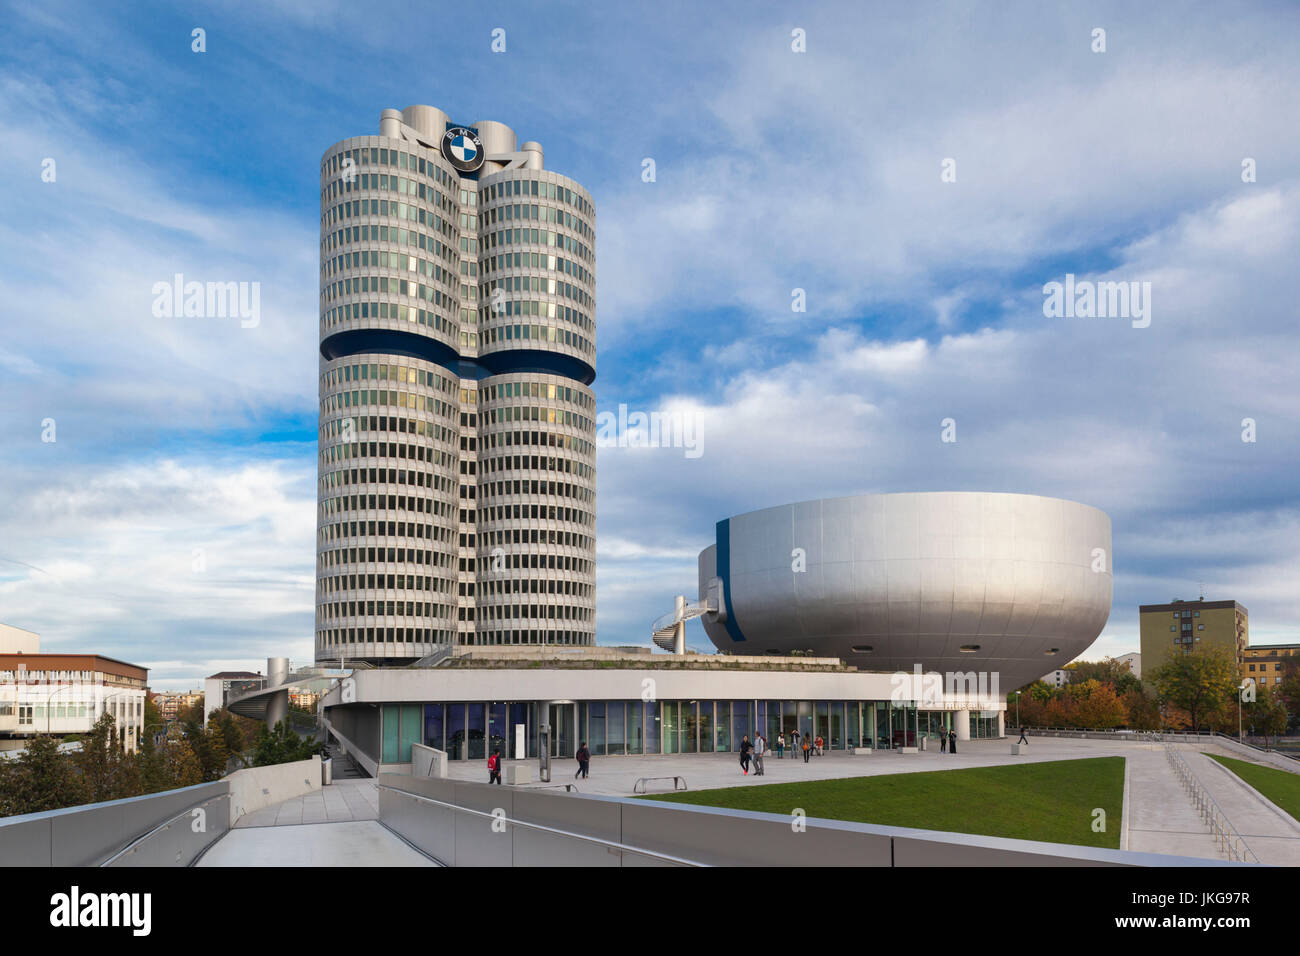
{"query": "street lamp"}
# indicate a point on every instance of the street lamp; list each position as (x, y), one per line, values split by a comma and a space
(48, 708)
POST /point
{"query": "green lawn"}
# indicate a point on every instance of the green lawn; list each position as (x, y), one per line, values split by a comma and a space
(1281, 787)
(1050, 801)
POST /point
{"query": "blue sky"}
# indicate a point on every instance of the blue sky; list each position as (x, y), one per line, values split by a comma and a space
(171, 522)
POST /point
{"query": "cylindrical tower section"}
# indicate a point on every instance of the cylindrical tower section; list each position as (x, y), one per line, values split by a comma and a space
(389, 416)
(537, 336)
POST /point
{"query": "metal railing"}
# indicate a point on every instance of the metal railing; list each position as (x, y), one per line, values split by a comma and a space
(139, 841)
(1231, 843)
(434, 659)
(643, 781)
(1280, 751)
(610, 845)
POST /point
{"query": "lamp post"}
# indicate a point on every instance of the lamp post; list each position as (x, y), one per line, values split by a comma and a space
(48, 708)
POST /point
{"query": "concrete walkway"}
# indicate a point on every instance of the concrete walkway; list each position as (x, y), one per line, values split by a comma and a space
(1271, 832)
(615, 776)
(356, 843)
(342, 801)
(337, 825)
(1161, 817)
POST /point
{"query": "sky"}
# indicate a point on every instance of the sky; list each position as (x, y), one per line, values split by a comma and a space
(912, 175)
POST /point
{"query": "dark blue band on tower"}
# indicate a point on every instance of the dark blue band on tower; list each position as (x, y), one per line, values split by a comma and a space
(411, 345)
(724, 573)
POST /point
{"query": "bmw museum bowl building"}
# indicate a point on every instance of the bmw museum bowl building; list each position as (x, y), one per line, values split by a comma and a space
(456, 523)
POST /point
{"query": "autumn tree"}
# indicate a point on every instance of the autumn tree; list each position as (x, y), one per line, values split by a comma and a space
(1101, 708)
(1200, 682)
(1143, 712)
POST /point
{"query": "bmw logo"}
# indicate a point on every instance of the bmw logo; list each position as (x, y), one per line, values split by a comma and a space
(462, 149)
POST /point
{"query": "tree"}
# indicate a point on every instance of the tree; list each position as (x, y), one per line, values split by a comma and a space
(101, 762)
(1266, 714)
(1101, 708)
(1143, 713)
(235, 731)
(153, 719)
(183, 767)
(1288, 691)
(43, 779)
(1105, 671)
(282, 745)
(1200, 682)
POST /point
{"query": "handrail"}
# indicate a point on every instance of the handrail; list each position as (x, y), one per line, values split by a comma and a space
(1230, 841)
(608, 844)
(434, 659)
(1256, 747)
(131, 847)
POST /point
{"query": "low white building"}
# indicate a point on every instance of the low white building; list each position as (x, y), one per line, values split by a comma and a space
(60, 694)
(1134, 662)
(621, 701)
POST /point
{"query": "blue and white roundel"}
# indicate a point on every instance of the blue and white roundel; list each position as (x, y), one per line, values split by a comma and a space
(462, 149)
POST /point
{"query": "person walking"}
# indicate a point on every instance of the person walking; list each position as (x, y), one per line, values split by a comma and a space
(943, 741)
(1023, 739)
(745, 748)
(780, 746)
(494, 768)
(807, 749)
(952, 741)
(819, 745)
(584, 761)
(760, 746)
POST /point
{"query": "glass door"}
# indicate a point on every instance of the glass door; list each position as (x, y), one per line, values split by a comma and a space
(563, 722)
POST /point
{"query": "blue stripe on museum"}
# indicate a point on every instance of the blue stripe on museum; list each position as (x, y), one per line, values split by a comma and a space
(411, 345)
(723, 539)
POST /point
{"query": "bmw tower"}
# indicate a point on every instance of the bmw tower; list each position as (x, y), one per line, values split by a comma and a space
(456, 468)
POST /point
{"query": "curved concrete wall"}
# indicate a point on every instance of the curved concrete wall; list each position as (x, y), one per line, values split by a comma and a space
(953, 581)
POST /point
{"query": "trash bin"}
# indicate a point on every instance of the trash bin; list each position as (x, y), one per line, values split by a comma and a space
(326, 771)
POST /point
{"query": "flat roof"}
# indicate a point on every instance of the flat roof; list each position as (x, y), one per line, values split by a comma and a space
(1188, 605)
(73, 662)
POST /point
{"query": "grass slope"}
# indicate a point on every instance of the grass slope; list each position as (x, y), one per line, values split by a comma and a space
(1281, 787)
(1051, 801)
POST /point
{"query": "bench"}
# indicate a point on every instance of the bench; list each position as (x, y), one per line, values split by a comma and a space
(642, 783)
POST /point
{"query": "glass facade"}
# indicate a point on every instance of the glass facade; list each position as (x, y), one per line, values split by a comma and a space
(470, 730)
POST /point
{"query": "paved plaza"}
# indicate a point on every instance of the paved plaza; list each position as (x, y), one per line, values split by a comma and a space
(338, 825)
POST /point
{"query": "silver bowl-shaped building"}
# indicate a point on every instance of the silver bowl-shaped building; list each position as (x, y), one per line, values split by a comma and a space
(956, 582)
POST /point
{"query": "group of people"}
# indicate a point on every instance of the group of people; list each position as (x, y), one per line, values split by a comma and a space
(583, 755)
(751, 752)
(807, 744)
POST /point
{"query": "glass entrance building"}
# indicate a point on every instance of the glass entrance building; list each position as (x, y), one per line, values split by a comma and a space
(641, 704)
